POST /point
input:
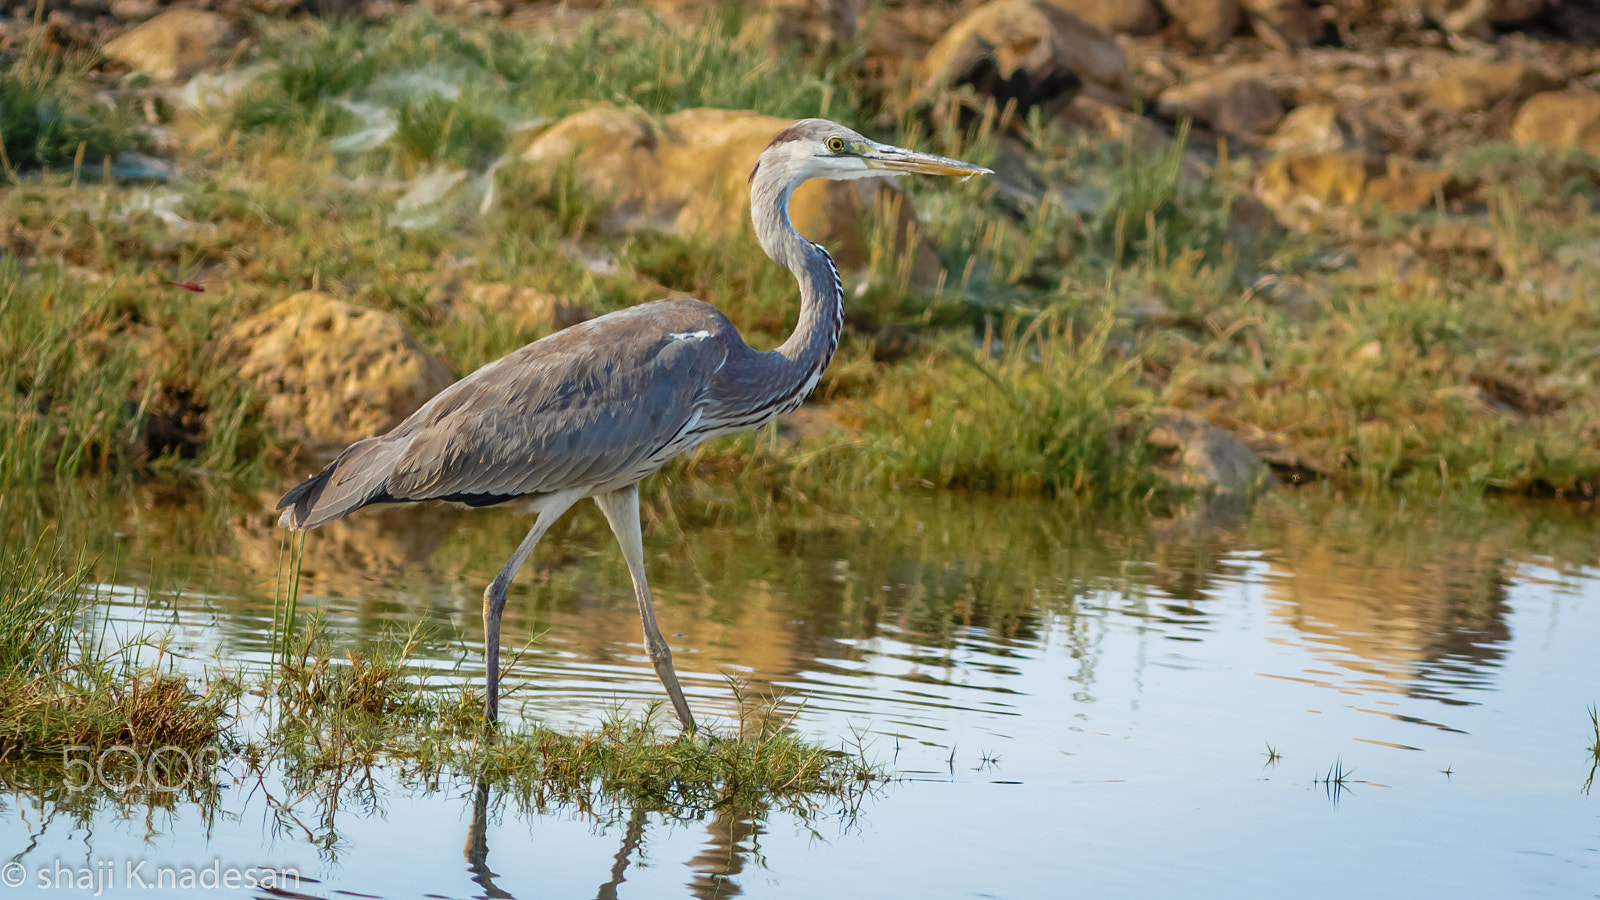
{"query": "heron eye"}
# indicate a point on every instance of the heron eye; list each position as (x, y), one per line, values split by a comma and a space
(836, 144)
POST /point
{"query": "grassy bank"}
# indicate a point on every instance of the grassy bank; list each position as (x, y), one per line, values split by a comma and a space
(1383, 358)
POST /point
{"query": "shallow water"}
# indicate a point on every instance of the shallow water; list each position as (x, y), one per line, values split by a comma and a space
(1079, 705)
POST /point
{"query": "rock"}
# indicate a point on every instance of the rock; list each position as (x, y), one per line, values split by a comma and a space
(1405, 188)
(528, 308)
(1323, 128)
(1206, 457)
(1457, 243)
(1513, 12)
(1209, 22)
(133, 10)
(1226, 103)
(1284, 24)
(1469, 85)
(1301, 188)
(1474, 18)
(1136, 17)
(1026, 51)
(1116, 124)
(1560, 119)
(692, 177)
(172, 45)
(806, 24)
(333, 373)
(1311, 183)
(896, 38)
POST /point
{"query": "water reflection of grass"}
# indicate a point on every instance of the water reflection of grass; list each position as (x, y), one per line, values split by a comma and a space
(1335, 782)
(1594, 748)
(341, 715)
(329, 711)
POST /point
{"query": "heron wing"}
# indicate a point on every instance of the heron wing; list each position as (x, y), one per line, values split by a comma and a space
(581, 407)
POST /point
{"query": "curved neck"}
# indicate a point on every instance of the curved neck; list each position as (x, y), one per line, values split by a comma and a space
(816, 336)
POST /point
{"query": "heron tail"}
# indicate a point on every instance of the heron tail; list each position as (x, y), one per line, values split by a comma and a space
(353, 480)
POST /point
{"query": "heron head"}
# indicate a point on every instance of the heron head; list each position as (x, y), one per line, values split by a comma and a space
(817, 148)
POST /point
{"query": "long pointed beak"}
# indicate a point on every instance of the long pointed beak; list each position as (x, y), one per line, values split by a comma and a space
(896, 159)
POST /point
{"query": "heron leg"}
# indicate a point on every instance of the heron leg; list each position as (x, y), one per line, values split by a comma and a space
(622, 511)
(494, 599)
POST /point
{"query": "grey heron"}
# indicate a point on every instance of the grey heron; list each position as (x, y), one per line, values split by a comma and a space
(591, 410)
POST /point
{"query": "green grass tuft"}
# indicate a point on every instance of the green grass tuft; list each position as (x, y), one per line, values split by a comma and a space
(61, 687)
(48, 117)
(1043, 406)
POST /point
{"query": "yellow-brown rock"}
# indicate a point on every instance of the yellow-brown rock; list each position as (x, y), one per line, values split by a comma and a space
(1560, 119)
(172, 45)
(1314, 180)
(528, 308)
(1322, 128)
(1300, 188)
(1405, 188)
(1136, 17)
(691, 175)
(1209, 22)
(333, 373)
(1027, 51)
(1467, 85)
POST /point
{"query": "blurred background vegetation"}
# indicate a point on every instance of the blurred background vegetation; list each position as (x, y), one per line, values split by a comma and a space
(1201, 266)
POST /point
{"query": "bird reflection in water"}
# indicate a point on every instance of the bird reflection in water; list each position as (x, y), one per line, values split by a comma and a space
(732, 830)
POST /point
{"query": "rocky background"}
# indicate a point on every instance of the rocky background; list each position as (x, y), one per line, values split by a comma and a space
(1413, 80)
(1351, 147)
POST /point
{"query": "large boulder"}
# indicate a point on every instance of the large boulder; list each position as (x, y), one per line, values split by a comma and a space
(1208, 22)
(1137, 17)
(333, 373)
(1560, 119)
(691, 175)
(1028, 51)
(172, 45)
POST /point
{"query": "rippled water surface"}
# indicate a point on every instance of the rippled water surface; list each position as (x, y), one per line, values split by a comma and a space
(1079, 704)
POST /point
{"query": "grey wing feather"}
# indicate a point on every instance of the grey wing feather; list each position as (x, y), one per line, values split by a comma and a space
(576, 409)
